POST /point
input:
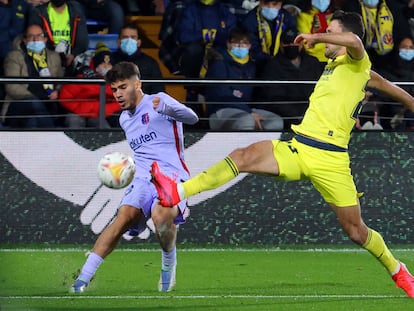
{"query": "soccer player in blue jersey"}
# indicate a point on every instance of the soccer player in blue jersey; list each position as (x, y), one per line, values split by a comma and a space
(153, 126)
(318, 152)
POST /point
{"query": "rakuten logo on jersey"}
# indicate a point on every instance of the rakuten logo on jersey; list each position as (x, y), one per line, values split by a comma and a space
(136, 143)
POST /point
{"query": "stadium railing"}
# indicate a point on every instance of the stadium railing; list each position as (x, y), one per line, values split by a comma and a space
(181, 83)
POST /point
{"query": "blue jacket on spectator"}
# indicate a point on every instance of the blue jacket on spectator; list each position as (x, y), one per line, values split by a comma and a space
(12, 23)
(284, 20)
(197, 17)
(231, 96)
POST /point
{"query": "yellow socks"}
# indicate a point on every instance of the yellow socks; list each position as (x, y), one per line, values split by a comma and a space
(214, 177)
(376, 246)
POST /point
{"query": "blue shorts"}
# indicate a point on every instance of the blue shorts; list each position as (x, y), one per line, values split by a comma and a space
(141, 193)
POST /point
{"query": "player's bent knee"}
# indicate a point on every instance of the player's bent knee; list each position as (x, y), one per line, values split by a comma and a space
(355, 234)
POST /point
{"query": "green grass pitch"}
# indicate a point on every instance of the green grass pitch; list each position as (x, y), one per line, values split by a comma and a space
(207, 279)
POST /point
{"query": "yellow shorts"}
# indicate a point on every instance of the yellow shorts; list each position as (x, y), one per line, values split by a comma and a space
(329, 171)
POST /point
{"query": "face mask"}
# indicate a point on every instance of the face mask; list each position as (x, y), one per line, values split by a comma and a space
(270, 13)
(239, 52)
(291, 51)
(102, 71)
(129, 46)
(58, 3)
(406, 54)
(371, 2)
(321, 5)
(35, 46)
(207, 2)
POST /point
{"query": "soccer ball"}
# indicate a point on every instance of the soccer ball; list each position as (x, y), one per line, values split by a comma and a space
(116, 170)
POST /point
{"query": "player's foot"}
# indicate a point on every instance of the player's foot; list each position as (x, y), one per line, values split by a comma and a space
(167, 280)
(403, 279)
(79, 286)
(166, 187)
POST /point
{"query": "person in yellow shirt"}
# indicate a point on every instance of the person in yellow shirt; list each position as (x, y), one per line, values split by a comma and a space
(315, 18)
(319, 150)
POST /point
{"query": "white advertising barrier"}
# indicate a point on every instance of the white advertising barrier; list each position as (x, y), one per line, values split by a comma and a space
(55, 162)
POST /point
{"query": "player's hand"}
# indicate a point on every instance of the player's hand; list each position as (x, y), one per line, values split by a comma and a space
(159, 105)
(156, 102)
(309, 40)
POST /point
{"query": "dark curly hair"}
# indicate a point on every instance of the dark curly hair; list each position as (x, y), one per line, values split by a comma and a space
(122, 71)
(350, 21)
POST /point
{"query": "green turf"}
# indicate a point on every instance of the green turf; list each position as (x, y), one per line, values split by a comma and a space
(206, 280)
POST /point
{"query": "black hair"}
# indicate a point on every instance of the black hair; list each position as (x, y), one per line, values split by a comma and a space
(122, 71)
(130, 26)
(350, 21)
(238, 34)
(288, 35)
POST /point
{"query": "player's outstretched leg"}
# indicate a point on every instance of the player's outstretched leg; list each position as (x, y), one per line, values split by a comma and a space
(166, 187)
(404, 280)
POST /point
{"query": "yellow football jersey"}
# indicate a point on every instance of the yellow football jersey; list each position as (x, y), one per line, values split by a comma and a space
(336, 101)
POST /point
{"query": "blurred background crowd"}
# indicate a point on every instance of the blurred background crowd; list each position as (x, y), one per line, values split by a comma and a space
(227, 40)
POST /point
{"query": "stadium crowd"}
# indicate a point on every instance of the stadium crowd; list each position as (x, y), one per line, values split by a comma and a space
(194, 34)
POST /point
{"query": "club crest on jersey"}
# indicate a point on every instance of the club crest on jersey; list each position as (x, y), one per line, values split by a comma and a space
(145, 118)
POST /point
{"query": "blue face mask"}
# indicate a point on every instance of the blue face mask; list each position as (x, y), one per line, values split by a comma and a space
(406, 54)
(35, 46)
(321, 5)
(371, 2)
(269, 13)
(239, 52)
(129, 46)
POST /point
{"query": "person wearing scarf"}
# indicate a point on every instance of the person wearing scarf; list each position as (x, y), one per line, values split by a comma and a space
(35, 101)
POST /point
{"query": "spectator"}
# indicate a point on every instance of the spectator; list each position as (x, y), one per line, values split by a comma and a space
(381, 28)
(399, 69)
(315, 18)
(240, 8)
(64, 24)
(108, 11)
(129, 49)
(170, 50)
(229, 105)
(31, 58)
(13, 16)
(266, 23)
(83, 100)
(407, 9)
(292, 63)
(204, 24)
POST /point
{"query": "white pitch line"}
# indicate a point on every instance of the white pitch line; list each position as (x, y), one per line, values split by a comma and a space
(205, 297)
(126, 250)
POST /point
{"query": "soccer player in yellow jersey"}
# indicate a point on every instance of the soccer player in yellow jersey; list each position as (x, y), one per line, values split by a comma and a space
(318, 152)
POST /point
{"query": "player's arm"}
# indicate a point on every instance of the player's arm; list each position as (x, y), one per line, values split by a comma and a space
(175, 110)
(349, 40)
(391, 90)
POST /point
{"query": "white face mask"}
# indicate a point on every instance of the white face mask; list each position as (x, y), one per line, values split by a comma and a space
(129, 46)
(36, 46)
(270, 13)
(406, 54)
(371, 3)
(321, 5)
